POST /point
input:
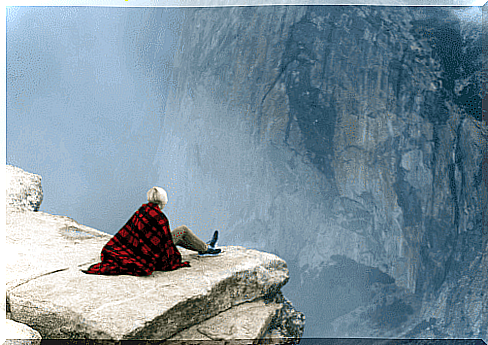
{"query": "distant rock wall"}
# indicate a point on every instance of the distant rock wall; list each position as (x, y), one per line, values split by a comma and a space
(345, 139)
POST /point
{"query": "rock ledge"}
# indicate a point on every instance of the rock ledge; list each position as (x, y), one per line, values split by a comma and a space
(234, 295)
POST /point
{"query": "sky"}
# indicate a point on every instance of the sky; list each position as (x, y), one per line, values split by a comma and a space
(86, 93)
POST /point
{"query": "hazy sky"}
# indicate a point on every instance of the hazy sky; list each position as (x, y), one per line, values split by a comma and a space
(86, 89)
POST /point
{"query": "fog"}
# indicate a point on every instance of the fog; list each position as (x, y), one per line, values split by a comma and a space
(86, 90)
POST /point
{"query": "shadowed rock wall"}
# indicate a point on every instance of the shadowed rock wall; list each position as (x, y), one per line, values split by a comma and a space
(346, 140)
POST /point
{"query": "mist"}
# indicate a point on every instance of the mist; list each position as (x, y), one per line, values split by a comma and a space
(86, 91)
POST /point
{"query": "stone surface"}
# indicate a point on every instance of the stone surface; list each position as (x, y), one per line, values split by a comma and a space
(274, 320)
(17, 333)
(24, 190)
(246, 321)
(31, 237)
(353, 149)
(70, 303)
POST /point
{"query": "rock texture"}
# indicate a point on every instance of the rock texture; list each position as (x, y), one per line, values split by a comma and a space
(31, 237)
(17, 333)
(24, 190)
(234, 324)
(48, 292)
(347, 140)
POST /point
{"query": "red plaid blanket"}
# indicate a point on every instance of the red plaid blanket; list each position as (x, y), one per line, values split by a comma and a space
(142, 246)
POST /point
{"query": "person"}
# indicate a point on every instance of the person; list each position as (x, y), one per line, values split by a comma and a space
(145, 244)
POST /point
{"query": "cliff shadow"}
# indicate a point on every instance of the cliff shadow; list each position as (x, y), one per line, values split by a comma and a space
(349, 299)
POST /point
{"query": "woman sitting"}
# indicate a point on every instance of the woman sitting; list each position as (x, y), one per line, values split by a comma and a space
(145, 244)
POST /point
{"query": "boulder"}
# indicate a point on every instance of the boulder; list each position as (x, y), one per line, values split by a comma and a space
(23, 189)
(48, 291)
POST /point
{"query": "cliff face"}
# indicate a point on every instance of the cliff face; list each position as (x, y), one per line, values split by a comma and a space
(348, 140)
(235, 295)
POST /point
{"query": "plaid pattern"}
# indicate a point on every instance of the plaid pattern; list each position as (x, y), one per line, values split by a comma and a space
(142, 246)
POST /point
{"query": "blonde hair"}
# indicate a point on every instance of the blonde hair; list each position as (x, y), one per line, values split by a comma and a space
(157, 195)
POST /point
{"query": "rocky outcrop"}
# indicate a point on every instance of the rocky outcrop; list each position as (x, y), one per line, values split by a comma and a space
(232, 295)
(353, 149)
(24, 190)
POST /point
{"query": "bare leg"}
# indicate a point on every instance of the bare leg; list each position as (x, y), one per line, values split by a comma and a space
(184, 237)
